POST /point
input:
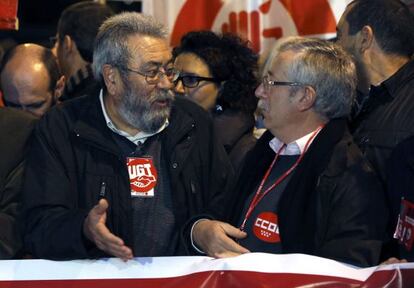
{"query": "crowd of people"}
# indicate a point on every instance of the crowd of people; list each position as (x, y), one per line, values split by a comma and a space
(127, 147)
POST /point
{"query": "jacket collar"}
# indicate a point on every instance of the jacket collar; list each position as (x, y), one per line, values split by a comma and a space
(91, 125)
(387, 90)
(180, 123)
(398, 79)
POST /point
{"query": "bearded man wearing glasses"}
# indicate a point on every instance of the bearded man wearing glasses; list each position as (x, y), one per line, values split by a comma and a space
(305, 187)
(121, 172)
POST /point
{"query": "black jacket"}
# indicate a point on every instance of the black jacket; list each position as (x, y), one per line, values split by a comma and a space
(73, 152)
(400, 182)
(81, 84)
(333, 205)
(16, 127)
(386, 118)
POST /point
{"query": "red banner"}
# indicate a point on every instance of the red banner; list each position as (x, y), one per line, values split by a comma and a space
(248, 270)
(260, 21)
(8, 14)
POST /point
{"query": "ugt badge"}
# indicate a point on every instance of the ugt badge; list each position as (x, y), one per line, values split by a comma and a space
(142, 176)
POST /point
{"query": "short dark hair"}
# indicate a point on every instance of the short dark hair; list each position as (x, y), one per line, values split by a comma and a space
(229, 59)
(45, 55)
(52, 67)
(391, 21)
(81, 22)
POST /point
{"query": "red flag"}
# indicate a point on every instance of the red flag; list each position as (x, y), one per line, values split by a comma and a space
(8, 14)
(259, 21)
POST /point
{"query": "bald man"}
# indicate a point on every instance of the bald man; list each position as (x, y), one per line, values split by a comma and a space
(30, 78)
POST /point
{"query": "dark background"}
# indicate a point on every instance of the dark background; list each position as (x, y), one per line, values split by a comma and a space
(38, 20)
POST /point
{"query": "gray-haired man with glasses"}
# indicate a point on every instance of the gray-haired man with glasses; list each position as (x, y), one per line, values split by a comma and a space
(305, 187)
(120, 173)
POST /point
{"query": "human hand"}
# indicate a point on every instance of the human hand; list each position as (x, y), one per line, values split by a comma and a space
(213, 237)
(393, 260)
(248, 25)
(95, 230)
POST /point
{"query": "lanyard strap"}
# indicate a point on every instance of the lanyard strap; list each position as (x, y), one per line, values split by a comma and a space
(259, 194)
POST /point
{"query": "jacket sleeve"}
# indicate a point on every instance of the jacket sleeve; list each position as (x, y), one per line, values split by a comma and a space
(54, 226)
(220, 182)
(355, 216)
(10, 237)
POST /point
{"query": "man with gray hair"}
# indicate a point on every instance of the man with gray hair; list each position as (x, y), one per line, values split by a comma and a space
(305, 187)
(121, 173)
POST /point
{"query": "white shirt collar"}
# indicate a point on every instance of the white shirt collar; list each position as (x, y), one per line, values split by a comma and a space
(140, 137)
(296, 147)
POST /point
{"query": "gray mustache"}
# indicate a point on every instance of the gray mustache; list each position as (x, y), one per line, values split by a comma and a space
(163, 95)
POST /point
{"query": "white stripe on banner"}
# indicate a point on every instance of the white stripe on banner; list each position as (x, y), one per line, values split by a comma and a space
(295, 265)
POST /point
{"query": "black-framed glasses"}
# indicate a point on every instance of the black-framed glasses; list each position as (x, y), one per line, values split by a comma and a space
(154, 76)
(192, 81)
(267, 83)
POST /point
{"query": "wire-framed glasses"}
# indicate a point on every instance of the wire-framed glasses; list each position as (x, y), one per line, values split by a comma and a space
(267, 83)
(154, 76)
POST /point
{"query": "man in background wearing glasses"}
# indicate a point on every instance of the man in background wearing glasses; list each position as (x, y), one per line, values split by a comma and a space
(305, 187)
(119, 173)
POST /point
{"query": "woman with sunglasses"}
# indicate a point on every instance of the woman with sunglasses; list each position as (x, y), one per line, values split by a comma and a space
(219, 73)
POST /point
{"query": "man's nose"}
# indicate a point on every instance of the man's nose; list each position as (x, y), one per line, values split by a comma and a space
(165, 82)
(179, 87)
(260, 91)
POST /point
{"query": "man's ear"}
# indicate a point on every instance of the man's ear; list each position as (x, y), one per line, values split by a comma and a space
(365, 39)
(60, 86)
(109, 74)
(307, 98)
(68, 44)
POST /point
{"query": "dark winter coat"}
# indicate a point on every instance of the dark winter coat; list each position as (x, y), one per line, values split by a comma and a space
(333, 205)
(73, 152)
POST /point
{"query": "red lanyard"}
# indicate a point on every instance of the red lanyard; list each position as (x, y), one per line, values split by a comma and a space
(259, 195)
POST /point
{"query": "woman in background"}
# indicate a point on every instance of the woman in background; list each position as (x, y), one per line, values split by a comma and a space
(219, 73)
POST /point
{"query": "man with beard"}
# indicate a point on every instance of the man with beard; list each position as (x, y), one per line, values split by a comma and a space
(305, 187)
(380, 36)
(121, 173)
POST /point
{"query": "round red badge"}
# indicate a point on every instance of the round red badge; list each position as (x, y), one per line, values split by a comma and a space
(266, 227)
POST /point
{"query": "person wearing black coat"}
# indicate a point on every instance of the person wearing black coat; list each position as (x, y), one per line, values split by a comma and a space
(93, 160)
(76, 31)
(16, 127)
(379, 35)
(305, 187)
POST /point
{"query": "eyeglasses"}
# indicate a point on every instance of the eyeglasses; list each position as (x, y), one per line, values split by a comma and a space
(192, 81)
(154, 76)
(267, 83)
